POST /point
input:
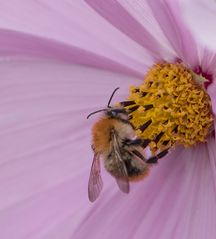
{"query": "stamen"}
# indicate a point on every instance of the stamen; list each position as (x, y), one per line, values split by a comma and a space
(135, 90)
(132, 109)
(148, 107)
(145, 126)
(165, 142)
(171, 107)
(157, 139)
(143, 94)
(127, 103)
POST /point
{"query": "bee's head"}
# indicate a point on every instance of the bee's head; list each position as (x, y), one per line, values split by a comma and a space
(117, 113)
(112, 112)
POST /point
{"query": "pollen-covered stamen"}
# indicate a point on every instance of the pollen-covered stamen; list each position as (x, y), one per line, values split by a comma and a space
(127, 103)
(170, 107)
(158, 137)
(145, 126)
(132, 109)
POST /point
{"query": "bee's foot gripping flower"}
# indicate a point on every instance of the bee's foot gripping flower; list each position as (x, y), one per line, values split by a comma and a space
(170, 107)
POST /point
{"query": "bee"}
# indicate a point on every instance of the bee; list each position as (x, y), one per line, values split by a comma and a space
(114, 141)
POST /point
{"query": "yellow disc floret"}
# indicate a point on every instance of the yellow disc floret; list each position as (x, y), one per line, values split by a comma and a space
(170, 107)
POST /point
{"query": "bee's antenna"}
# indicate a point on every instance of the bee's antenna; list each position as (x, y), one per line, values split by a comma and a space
(95, 112)
(108, 105)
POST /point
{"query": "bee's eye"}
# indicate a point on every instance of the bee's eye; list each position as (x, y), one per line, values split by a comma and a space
(116, 112)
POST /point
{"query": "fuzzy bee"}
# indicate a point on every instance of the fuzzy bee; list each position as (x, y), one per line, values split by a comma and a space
(114, 140)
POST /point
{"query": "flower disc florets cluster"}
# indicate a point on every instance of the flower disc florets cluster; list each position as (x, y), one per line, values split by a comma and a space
(170, 107)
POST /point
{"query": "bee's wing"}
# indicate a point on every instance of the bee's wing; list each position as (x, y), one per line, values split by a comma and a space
(123, 185)
(123, 181)
(95, 183)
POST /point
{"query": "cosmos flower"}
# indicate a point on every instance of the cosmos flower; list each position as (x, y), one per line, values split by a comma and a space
(60, 60)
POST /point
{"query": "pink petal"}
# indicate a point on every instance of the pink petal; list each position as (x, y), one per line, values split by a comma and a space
(212, 156)
(169, 16)
(45, 143)
(27, 45)
(201, 16)
(212, 93)
(120, 17)
(141, 11)
(176, 201)
(208, 60)
(75, 24)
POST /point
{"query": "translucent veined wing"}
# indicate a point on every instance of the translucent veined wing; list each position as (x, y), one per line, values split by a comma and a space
(95, 183)
(123, 184)
(122, 181)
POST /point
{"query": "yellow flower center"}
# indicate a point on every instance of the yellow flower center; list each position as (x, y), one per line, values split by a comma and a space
(170, 107)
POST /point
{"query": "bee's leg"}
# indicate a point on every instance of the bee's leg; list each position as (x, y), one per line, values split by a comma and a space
(137, 142)
(132, 142)
(139, 155)
(145, 143)
(153, 160)
(93, 148)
